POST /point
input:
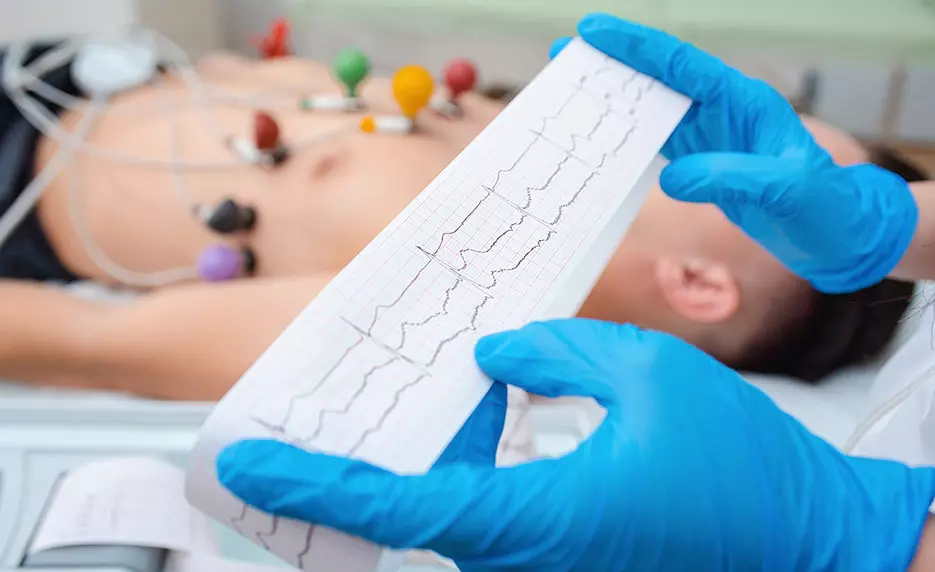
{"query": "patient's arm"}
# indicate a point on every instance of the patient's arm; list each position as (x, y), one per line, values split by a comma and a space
(919, 261)
(43, 332)
(185, 343)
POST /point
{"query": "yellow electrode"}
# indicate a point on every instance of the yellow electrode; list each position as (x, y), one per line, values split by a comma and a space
(412, 89)
(368, 124)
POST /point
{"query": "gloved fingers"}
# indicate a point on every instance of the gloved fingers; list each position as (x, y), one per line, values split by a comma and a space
(557, 46)
(477, 440)
(729, 180)
(657, 54)
(574, 357)
(452, 510)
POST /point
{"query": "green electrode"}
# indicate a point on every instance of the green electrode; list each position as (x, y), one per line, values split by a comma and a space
(351, 67)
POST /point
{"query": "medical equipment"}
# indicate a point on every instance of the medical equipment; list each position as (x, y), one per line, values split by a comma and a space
(42, 439)
(135, 58)
(105, 69)
(518, 227)
(350, 68)
(412, 88)
(460, 76)
(276, 42)
(265, 146)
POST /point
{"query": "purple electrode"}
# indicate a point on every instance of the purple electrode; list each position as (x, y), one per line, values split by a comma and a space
(220, 262)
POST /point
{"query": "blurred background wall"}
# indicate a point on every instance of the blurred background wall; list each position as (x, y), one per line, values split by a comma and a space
(196, 24)
(868, 65)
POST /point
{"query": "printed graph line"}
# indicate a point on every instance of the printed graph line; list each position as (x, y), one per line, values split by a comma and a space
(238, 520)
(350, 403)
(496, 182)
(574, 197)
(569, 153)
(558, 169)
(620, 145)
(424, 321)
(606, 96)
(303, 441)
(384, 346)
(277, 431)
(518, 208)
(628, 82)
(492, 189)
(538, 245)
(561, 148)
(454, 271)
(500, 172)
(262, 536)
(295, 399)
(604, 156)
(490, 247)
(600, 121)
(472, 326)
(643, 91)
(384, 416)
(376, 310)
(460, 277)
(576, 89)
(454, 231)
(300, 558)
(624, 85)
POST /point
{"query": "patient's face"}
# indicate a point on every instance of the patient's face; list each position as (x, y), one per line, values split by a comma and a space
(682, 268)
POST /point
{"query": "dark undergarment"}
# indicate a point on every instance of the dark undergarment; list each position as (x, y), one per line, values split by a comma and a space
(27, 254)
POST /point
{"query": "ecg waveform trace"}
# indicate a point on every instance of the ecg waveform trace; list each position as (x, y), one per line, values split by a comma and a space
(479, 250)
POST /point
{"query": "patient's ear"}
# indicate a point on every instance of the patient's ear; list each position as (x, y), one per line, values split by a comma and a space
(700, 290)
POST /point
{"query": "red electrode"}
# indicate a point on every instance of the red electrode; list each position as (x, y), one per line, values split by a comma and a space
(460, 76)
(276, 43)
(265, 132)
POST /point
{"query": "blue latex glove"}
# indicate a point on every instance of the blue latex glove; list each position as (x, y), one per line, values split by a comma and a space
(692, 469)
(743, 148)
(477, 440)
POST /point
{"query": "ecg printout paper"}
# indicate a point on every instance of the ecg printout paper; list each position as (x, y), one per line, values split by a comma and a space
(132, 501)
(518, 227)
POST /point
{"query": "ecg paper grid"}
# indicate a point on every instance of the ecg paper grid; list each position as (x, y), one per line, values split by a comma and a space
(380, 365)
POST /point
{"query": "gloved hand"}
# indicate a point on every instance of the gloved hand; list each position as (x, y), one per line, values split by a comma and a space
(477, 440)
(692, 469)
(743, 148)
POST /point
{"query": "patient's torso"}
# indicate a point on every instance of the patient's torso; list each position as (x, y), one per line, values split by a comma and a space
(315, 211)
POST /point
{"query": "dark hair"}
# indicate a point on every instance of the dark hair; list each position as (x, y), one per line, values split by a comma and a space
(840, 330)
(500, 92)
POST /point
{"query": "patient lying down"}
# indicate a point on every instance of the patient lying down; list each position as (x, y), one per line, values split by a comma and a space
(682, 268)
